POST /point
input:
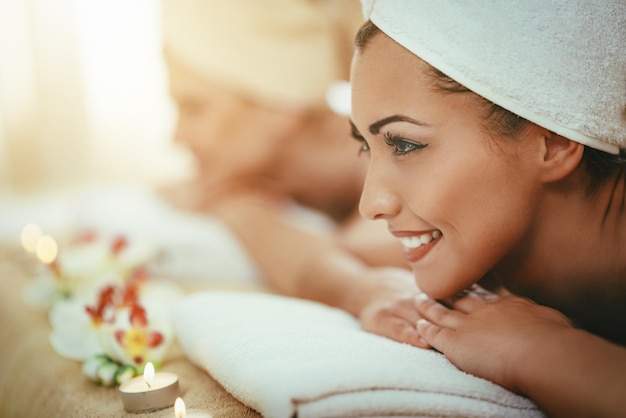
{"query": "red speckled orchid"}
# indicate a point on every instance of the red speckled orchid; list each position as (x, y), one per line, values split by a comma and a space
(111, 305)
(124, 330)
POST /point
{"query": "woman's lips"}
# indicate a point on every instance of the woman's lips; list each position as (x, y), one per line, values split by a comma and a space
(416, 246)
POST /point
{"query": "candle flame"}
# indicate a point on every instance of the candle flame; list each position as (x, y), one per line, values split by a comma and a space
(148, 374)
(179, 408)
(29, 237)
(47, 249)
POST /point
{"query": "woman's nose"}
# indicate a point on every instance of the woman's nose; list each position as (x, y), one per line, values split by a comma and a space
(193, 133)
(179, 134)
(183, 131)
(378, 201)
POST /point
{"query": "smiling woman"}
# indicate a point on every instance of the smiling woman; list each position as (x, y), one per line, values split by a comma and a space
(428, 139)
(490, 162)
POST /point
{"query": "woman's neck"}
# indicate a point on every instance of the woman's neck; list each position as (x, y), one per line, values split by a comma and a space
(575, 257)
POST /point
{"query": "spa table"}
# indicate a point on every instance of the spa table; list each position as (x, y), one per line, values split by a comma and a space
(37, 382)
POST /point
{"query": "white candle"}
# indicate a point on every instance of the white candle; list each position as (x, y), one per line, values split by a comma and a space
(150, 392)
(181, 412)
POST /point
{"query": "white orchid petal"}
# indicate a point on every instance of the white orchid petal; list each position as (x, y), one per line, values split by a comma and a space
(72, 334)
(75, 347)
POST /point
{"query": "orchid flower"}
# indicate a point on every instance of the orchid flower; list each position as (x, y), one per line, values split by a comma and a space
(109, 304)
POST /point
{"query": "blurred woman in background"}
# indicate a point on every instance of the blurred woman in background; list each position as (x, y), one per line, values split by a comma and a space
(274, 162)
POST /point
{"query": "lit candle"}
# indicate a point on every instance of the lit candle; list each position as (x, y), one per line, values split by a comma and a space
(46, 249)
(29, 237)
(150, 392)
(179, 408)
(148, 374)
(181, 412)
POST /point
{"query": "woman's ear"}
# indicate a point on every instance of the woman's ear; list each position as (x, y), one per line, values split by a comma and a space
(561, 156)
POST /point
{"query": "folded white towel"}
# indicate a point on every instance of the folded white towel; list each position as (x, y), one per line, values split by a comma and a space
(289, 357)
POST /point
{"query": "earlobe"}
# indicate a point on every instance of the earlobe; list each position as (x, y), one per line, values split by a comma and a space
(561, 156)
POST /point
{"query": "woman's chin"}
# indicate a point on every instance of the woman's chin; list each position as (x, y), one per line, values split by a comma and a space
(440, 288)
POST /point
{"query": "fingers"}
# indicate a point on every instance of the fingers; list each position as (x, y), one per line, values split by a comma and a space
(468, 300)
(396, 322)
(405, 309)
(400, 330)
(483, 293)
(436, 313)
(436, 336)
(439, 323)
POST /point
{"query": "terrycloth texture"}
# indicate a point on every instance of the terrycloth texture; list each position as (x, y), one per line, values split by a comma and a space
(560, 64)
(279, 52)
(286, 357)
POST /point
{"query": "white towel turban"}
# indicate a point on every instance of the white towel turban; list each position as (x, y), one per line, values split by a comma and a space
(278, 52)
(559, 63)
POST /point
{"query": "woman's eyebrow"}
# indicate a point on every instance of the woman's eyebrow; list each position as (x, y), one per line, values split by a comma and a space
(375, 127)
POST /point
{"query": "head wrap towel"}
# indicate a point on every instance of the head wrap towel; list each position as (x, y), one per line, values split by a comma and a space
(277, 52)
(560, 63)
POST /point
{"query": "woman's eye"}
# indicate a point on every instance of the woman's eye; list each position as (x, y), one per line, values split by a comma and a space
(363, 148)
(356, 135)
(402, 146)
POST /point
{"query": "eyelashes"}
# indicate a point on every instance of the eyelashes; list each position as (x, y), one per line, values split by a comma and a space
(400, 145)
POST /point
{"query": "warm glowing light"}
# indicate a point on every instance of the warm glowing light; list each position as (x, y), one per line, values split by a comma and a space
(148, 374)
(46, 249)
(179, 408)
(29, 237)
(338, 98)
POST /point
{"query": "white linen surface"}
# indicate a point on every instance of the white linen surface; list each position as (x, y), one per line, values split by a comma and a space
(195, 248)
(289, 357)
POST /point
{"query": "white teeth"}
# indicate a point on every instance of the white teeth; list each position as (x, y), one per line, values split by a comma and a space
(418, 241)
(411, 242)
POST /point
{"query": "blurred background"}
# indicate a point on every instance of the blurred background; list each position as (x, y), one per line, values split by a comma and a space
(83, 96)
(141, 118)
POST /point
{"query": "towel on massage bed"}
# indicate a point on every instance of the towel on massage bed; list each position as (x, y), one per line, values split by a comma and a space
(288, 357)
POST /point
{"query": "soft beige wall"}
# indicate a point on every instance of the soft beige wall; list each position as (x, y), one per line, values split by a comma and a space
(42, 103)
(83, 95)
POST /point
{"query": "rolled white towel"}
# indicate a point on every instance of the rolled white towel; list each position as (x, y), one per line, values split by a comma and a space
(290, 357)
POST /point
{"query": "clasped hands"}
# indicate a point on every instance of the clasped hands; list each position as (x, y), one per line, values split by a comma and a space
(485, 334)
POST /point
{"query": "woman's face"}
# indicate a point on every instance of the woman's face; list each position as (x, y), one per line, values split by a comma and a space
(458, 199)
(228, 135)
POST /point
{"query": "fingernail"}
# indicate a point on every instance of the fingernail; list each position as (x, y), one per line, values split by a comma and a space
(423, 341)
(422, 322)
(422, 297)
